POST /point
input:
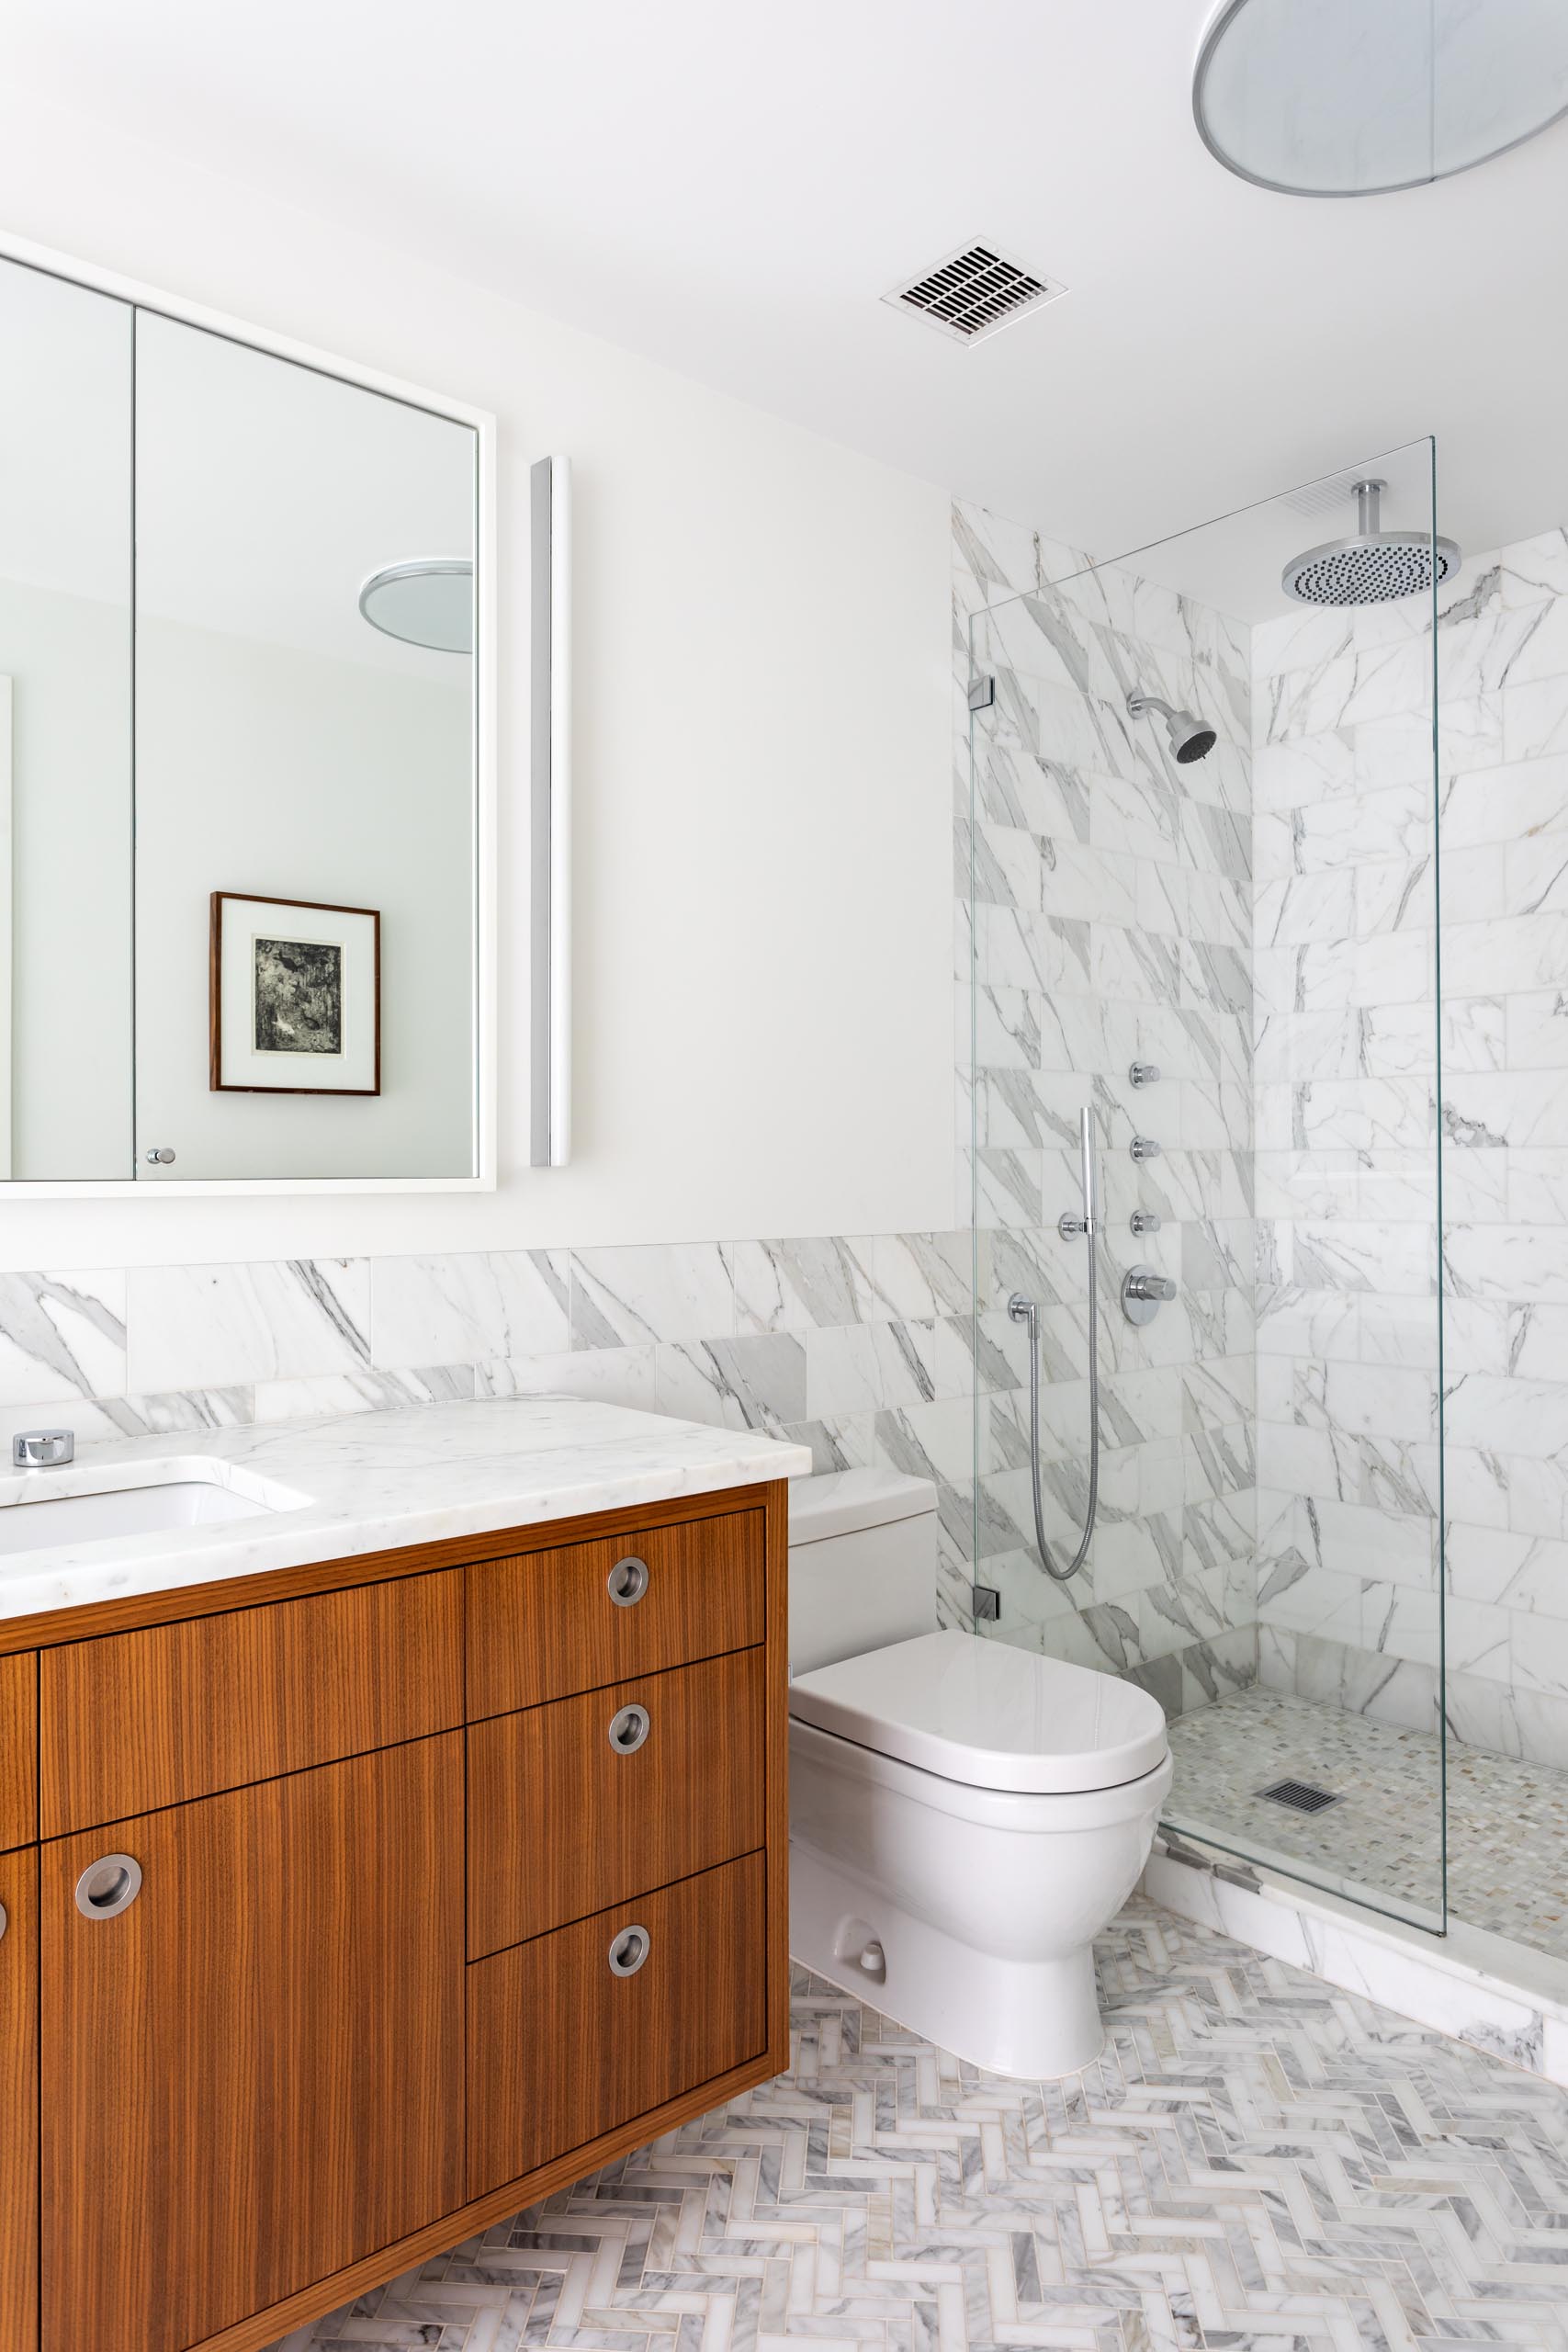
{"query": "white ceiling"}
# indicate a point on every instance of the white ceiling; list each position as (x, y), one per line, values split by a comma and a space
(729, 186)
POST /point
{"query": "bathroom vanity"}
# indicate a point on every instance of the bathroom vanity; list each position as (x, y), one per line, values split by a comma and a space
(378, 1861)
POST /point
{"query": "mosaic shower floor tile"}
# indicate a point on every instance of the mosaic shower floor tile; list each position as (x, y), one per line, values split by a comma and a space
(1507, 1821)
(1256, 2163)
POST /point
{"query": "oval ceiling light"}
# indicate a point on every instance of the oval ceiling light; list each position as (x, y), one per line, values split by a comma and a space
(1357, 97)
(427, 601)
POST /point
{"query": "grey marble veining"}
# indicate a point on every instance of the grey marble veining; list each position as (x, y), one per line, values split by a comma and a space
(1111, 925)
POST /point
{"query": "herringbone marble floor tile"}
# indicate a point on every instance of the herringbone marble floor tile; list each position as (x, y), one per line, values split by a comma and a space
(1258, 2162)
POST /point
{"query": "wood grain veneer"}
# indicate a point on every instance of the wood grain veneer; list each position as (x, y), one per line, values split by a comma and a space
(134, 1721)
(544, 1626)
(230, 2068)
(18, 1749)
(254, 2073)
(18, 2102)
(262, 2332)
(614, 2046)
(560, 1824)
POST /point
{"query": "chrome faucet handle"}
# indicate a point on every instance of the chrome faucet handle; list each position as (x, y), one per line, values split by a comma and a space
(1143, 1284)
(1144, 1074)
(1144, 1221)
(42, 1449)
(1144, 1148)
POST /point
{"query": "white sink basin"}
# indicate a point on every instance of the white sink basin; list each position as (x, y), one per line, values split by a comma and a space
(44, 1508)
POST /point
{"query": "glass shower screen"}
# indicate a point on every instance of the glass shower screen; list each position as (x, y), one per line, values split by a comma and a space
(1202, 905)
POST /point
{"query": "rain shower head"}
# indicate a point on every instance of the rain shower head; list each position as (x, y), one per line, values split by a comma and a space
(1190, 737)
(1375, 567)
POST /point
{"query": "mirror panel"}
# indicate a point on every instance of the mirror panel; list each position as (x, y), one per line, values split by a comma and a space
(303, 767)
(65, 739)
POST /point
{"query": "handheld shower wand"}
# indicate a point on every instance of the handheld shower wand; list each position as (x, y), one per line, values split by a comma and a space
(1023, 1310)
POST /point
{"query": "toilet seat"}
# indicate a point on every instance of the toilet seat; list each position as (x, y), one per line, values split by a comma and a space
(988, 1716)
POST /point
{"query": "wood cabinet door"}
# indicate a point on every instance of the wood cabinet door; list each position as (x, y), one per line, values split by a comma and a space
(255, 2068)
(18, 2102)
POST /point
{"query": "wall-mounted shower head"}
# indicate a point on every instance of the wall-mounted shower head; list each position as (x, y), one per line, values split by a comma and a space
(1190, 737)
(1375, 567)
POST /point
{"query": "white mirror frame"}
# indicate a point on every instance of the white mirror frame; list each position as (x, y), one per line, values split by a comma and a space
(482, 422)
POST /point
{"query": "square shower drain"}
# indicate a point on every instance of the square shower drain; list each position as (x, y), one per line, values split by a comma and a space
(1301, 1796)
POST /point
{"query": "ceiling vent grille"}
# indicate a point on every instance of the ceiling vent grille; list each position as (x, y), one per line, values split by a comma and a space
(973, 292)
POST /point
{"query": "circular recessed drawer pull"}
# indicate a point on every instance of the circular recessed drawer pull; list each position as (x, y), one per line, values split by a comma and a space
(628, 1581)
(629, 1951)
(628, 1729)
(107, 1888)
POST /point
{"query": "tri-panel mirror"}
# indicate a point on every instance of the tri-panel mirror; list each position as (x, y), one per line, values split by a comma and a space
(240, 777)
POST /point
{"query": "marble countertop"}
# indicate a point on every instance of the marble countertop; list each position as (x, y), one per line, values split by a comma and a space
(368, 1482)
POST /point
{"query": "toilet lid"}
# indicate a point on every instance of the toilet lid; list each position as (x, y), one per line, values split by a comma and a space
(987, 1714)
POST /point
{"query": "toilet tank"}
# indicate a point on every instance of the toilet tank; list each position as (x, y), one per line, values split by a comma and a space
(862, 1564)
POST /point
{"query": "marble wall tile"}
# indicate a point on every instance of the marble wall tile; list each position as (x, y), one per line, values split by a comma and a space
(214, 1327)
(1141, 950)
(466, 1308)
(630, 1297)
(62, 1335)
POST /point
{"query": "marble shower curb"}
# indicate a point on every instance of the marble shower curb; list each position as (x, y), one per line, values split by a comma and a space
(1498, 1997)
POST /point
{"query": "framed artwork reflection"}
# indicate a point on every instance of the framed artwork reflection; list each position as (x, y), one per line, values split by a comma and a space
(295, 997)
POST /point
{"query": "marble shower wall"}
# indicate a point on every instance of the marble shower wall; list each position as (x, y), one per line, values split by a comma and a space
(860, 1348)
(1111, 921)
(1348, 1117)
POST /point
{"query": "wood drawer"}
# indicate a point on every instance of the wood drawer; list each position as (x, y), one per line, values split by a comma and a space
(18, 1749)
(562, 2049)
(132, 1722)
(562, 1823)
(544, 1626)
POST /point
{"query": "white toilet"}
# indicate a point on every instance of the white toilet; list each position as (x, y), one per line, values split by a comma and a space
(965, 1817)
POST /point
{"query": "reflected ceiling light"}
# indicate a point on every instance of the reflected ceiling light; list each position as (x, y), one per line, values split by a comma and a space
(1357, 97)
(428, 601)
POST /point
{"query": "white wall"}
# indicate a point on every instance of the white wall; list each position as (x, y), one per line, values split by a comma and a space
(763, 1013)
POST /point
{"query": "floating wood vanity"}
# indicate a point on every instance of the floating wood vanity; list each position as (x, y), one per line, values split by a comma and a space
(353, 1905)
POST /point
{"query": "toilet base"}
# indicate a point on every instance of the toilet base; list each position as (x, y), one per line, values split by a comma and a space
(1035, 2018)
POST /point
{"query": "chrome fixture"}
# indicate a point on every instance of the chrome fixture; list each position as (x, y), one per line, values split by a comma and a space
(1023, 1310)
(628, 1949)
(108, 1886)
(1144, 1148)
(988, 1604)
(982, 693)
(1143, 1221)
(629, 1726)
(1144, 1074)
(627, 1581)
(1374, 566)
(1355, 97)
(158, 1156)
(428, 601)
(1191, 737)
(1143, 1293)
(42, 1449)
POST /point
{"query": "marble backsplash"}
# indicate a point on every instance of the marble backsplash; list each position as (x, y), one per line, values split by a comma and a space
(861, 1348)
